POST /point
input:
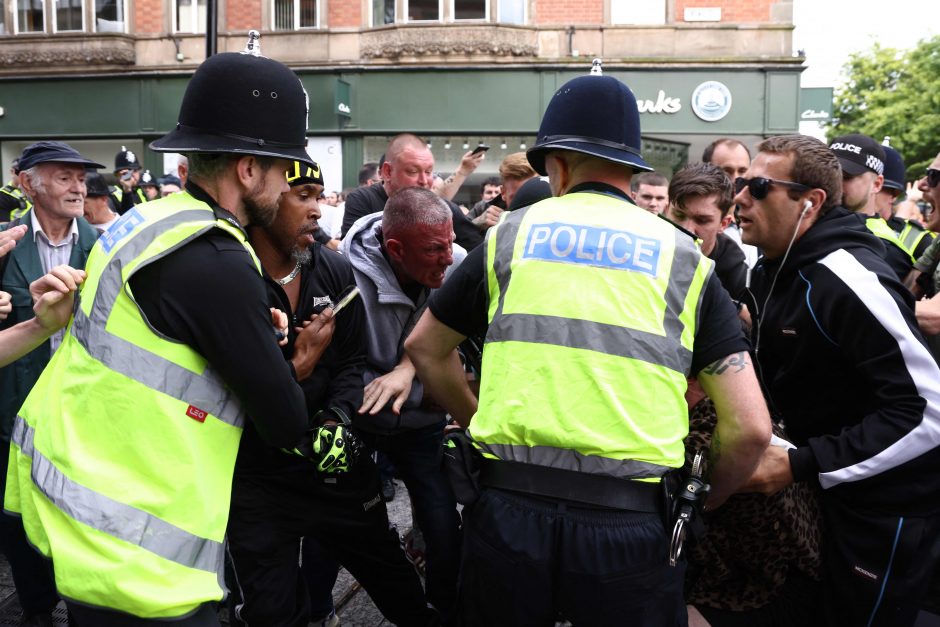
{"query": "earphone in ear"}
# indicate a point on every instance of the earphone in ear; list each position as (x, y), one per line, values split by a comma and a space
(807, 205)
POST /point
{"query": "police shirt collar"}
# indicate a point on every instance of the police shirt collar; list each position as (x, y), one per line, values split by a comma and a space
(601, 188)
(220, 213)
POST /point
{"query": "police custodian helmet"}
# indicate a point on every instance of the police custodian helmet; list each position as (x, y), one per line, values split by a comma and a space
(242, 103)
(595, 115)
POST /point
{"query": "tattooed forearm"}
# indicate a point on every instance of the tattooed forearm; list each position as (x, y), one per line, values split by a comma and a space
(737, 361)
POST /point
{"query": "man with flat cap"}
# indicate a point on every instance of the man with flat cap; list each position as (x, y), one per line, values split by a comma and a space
(122, 456)
(52, 175)
(581, 411)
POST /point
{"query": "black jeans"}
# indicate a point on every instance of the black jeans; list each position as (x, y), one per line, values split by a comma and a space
(416, 455)
(271, 514)
(32, 573)
(531, 561)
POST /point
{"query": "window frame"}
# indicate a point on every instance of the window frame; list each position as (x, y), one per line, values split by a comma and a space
(296, 12)
(195, 9)
(407, 20)
(55, 18)
(16, 20)
(525, 13)
(453, 13)
(94, 18)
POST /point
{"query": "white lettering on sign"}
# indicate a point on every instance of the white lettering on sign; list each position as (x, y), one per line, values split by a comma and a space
(662, 104)
(813, 114)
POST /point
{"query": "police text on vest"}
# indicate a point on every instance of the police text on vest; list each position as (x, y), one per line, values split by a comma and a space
(609, 248)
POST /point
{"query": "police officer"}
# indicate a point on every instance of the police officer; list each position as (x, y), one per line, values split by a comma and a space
(13, 202)
(913, 236)
(127, 192)
(594, 311)
(122, 456)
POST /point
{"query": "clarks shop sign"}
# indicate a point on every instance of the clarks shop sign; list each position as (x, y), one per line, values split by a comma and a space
(710, 101)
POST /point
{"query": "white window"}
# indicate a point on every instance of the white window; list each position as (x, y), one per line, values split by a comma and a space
(383, 12)
(190, 16)
(29, 16)
(110, 16)
(423, 10)
(511, 11)
(69, 16)
(470, 9)
(638, 12)
(295, 14)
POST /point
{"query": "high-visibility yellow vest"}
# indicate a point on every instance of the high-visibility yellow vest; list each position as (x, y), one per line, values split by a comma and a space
(17, 195)
(593, 306)
(880, 228)
(912, 235)
(122, 455)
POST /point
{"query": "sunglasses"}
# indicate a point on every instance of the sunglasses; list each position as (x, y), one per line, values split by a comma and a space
(933, 177)
(759, 186)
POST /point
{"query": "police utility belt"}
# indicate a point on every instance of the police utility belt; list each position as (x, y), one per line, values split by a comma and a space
(469, 472)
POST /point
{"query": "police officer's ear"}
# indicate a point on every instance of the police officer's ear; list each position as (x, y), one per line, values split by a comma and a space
(249, 170)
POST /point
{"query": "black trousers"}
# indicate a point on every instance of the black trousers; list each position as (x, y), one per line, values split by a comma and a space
(32, 573)
(531, 561)
(82, 616)
(876, 567)
(271, 514)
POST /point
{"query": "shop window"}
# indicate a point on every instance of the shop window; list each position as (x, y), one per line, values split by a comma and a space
(423, 10)
(638, 12)
(190, 16)
(512, 11)
(295, 14)
(469, 9)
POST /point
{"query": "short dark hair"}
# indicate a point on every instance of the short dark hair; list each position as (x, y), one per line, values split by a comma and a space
(653, 179)
(722, 141)
(701, 180)
(207, 166)
(491, 180)
(814, 165)
(367, 172)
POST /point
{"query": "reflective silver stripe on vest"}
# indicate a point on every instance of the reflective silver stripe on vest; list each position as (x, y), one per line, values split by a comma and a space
(205, 391)
(116, 519)
(664, 350)
(572, 460)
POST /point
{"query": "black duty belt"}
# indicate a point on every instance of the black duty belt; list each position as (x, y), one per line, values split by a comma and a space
(577, 487)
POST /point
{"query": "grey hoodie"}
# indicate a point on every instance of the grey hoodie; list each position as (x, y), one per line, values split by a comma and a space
(390, 317)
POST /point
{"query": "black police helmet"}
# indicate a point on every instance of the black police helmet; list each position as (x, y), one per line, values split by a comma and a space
(126, 160)
(241, 103)
(595, 115)
(895, 172)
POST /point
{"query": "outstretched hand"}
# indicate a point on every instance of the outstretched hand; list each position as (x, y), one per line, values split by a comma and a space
(9, 237)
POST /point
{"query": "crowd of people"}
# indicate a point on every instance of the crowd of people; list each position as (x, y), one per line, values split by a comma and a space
(710, 398)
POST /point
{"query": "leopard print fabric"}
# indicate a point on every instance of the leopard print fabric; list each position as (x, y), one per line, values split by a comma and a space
(752, 541)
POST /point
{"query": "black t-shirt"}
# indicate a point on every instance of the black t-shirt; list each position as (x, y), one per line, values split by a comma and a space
(730, 266)
(461, 304)
(209, 295)
(336, 382)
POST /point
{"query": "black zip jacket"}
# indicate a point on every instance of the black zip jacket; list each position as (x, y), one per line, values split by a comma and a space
(843, 363)
(335, 387)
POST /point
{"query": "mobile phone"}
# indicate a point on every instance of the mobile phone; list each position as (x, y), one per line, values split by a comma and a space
(479, 149)
(345, 298)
